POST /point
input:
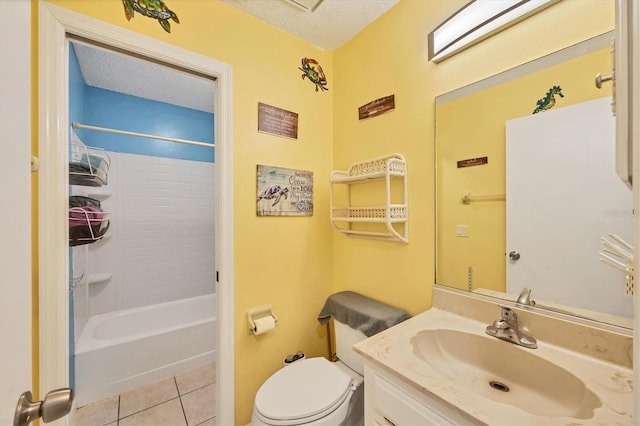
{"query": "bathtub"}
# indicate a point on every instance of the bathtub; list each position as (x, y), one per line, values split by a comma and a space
(122, 350)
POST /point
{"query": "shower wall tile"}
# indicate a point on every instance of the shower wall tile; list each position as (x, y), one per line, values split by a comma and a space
(162, 242)
(79, 277)
(103, 254)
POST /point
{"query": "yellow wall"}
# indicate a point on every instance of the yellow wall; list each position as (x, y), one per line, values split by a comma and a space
(294, 263)
(390, 57)
(474, 126)
(282, 261)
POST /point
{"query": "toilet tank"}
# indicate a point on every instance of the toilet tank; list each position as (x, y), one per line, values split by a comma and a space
(346, 337)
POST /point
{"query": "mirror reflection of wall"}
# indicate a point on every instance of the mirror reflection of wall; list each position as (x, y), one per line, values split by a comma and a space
(470, 123)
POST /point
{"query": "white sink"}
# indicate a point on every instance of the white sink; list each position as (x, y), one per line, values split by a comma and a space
(505, 372)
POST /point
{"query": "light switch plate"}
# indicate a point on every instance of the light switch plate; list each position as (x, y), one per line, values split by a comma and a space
(462, 231)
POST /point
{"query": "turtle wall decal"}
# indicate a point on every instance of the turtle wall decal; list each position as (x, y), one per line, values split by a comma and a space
(155, 9)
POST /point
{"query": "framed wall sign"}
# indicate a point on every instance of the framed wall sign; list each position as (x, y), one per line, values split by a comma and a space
(377, 107)
(284, 192)
(277, 121)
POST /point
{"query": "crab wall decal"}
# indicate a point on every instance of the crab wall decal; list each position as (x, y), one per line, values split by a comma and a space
(155, 9)
(314, 75)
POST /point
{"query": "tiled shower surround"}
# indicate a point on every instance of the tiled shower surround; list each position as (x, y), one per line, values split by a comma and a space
(161, 243)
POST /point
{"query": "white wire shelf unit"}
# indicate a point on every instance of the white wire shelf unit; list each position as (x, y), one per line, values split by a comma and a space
(88, 166)
(87, 225)
(388, 221)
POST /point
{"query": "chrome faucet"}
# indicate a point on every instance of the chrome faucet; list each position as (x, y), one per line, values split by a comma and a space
(507, 329)
(525, 298)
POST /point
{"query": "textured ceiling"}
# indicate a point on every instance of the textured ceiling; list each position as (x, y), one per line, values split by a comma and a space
(328, 27)
(121, 73)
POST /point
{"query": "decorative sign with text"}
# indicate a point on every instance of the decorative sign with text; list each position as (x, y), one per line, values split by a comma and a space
(377, 107)
(284, 192)
(277, 121)
(470, 162)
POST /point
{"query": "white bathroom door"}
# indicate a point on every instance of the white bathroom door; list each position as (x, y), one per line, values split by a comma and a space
(563, 195)
(15, 206)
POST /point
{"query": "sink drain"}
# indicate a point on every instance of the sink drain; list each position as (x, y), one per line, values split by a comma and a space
(499, 386)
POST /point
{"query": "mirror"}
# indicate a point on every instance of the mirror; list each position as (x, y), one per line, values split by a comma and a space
(524, 199)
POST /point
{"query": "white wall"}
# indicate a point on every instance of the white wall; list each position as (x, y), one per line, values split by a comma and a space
(161, 246)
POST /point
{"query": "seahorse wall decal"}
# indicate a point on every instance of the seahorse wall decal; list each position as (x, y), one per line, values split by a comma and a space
(155, 9)
(549, 100)
(315, 76)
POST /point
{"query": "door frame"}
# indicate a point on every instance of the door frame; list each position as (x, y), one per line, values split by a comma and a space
(634, 139)
(54, 25)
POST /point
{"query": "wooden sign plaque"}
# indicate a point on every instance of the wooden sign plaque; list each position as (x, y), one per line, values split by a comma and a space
(277, 121)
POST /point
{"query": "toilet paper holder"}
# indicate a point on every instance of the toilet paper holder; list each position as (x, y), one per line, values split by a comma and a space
(258, 313)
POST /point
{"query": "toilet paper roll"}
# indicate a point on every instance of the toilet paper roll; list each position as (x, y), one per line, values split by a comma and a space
(264, 325)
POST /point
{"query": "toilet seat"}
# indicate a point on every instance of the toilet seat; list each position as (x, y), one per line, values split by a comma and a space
(302, 392)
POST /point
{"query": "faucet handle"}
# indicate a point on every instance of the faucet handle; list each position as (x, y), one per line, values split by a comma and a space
(509, 316)
(501, 324)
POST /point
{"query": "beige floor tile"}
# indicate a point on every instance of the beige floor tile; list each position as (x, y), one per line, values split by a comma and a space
(147, 396)
(210, 422)
(166, 414)
(199, 405)
(98, 414)
(195, 379)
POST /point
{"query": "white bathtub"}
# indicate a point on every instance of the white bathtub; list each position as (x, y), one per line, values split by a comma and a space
(120, 351)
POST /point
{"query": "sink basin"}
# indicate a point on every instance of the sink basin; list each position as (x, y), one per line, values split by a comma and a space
(506, 373)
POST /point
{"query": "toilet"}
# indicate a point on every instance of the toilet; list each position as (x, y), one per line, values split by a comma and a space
(315, 391)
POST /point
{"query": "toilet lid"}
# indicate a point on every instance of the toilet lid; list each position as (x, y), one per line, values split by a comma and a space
(307, 388)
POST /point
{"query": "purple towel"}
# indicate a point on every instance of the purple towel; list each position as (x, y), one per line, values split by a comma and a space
(85, 216)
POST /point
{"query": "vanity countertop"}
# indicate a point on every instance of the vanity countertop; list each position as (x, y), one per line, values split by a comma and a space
(610, 381)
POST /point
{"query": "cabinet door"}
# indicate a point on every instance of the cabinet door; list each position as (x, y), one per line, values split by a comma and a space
(395, 407)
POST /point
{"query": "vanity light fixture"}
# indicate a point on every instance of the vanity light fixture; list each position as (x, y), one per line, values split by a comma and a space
(477, 21)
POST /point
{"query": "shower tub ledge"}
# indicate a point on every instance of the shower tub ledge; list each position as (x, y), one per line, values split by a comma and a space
(123, 350)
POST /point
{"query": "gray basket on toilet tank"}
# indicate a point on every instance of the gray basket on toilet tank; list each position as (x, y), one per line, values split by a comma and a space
(363, 316)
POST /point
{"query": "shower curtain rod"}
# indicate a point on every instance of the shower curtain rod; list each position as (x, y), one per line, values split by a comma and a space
(142, 135)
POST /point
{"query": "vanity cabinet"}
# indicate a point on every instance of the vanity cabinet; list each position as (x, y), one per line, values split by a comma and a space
(392, 212)
(390, 401)
(413, 377)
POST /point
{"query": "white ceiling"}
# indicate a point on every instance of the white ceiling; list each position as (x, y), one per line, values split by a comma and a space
(328, 27)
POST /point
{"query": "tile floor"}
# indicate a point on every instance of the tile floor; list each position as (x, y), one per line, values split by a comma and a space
(184, 400)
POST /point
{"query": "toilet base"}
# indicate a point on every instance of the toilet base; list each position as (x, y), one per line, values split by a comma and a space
(354, 416)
